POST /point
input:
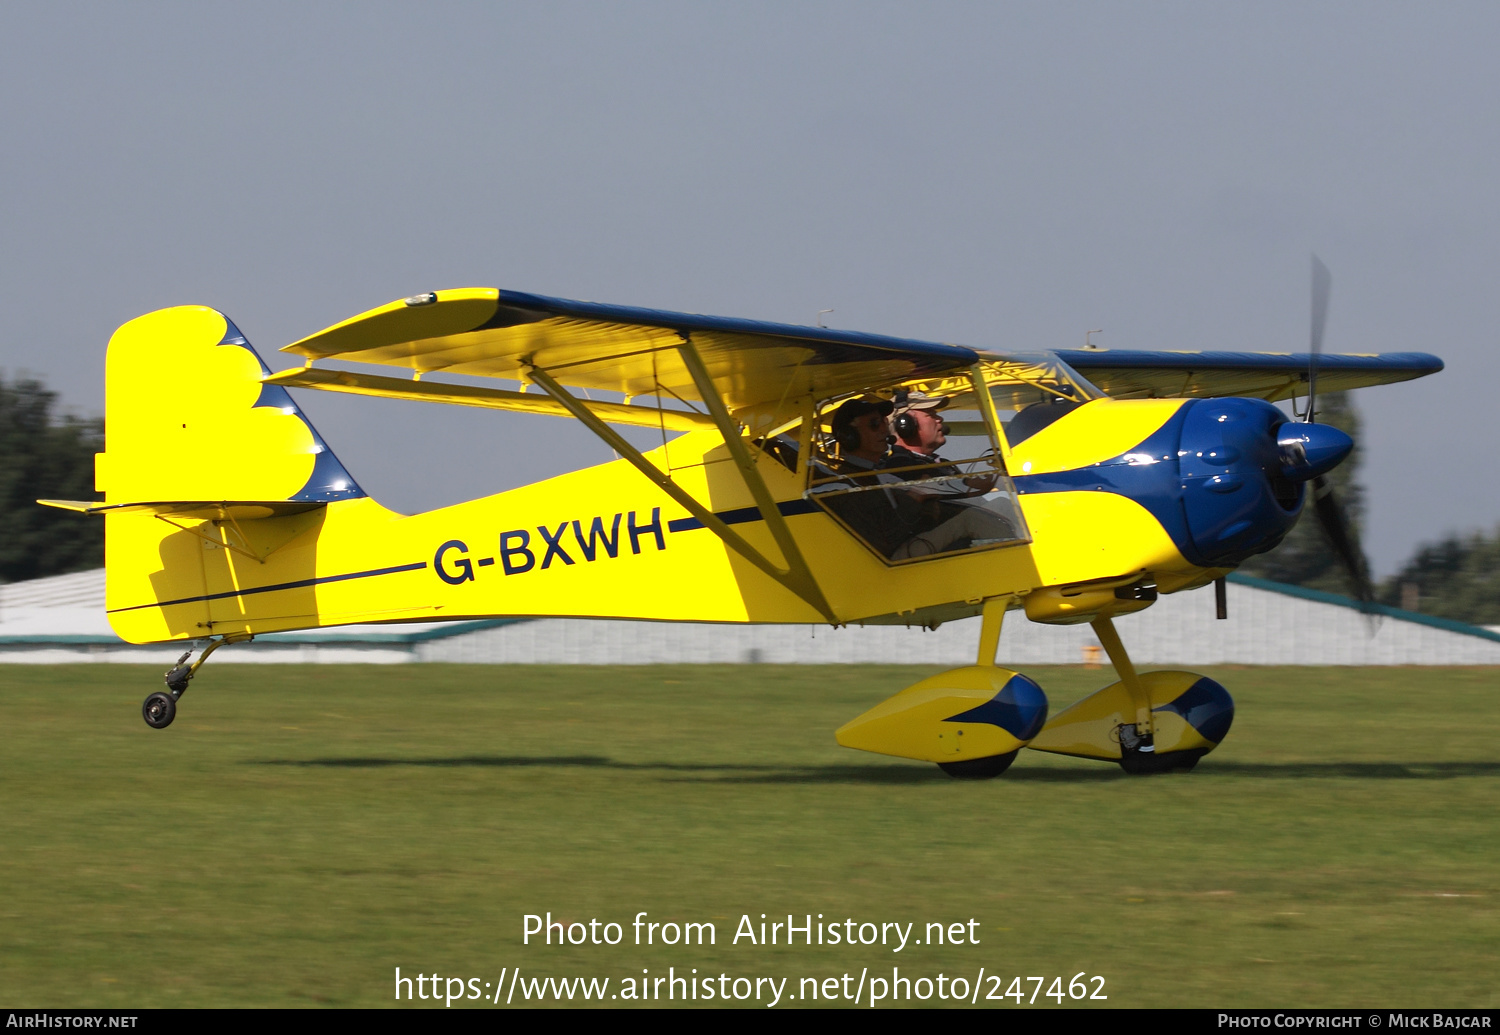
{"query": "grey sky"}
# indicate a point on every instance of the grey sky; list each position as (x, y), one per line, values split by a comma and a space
(1004, 175)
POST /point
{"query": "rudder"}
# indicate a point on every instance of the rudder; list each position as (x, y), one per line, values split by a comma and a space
(187, 420)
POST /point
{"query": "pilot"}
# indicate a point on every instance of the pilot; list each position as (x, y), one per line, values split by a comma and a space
(919, 433)
(950, 522)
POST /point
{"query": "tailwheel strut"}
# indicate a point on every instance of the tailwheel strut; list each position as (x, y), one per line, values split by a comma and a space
(160, 708)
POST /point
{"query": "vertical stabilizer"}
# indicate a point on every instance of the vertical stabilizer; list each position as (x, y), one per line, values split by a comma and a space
(187, 421)
(186, 418)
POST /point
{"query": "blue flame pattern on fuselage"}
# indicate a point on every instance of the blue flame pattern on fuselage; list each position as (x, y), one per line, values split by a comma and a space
(1211, 476)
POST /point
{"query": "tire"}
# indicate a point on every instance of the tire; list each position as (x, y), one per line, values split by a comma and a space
(1148, 763)
(159, 710)
(979, 768)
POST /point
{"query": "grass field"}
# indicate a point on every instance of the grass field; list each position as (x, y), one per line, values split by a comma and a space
(301, 831)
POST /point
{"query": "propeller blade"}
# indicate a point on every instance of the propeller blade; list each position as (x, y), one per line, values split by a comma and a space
(1340, 531)
(1322, 286)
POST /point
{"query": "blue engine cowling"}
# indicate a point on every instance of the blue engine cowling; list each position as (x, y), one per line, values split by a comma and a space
(1243, 470)
(1226, 478)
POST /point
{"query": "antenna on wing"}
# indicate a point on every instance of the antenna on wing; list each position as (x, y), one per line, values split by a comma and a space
(1322, 285)
(820, 315)
(1087, 343)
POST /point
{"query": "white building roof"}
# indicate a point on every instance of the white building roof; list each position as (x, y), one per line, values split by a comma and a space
(62, 619)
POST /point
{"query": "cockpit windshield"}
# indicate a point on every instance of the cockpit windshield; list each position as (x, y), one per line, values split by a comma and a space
(1017, 379)
(1031, 390)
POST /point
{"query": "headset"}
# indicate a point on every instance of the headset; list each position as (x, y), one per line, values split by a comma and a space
(906, 428)
(905, 425)
(847, 436)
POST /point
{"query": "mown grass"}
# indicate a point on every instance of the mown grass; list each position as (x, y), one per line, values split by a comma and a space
(301, 831)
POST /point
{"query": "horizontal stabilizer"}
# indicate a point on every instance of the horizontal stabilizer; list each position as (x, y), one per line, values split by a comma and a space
(205, 510)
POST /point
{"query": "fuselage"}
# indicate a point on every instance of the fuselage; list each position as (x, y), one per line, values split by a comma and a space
(1161, 492)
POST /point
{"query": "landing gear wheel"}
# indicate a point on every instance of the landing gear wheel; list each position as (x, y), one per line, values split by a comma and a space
(1146, 763)
(979, 768)
(159, 710)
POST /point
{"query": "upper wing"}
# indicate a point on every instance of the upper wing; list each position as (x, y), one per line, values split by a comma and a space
(495, 333)
(1263, 375)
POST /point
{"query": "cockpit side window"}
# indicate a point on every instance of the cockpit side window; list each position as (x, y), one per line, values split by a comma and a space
(783, 447)
(908, 496)
(1034, 417)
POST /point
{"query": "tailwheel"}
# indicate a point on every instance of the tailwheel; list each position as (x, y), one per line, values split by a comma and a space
(161, 707)
(159, 710)
(980, 768)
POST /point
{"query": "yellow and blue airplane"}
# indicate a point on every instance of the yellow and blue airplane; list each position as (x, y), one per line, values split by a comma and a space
(1073, 486)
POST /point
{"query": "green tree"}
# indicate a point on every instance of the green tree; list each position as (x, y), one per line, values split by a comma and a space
(1306, 557)
(42, 457)
(1458, 578)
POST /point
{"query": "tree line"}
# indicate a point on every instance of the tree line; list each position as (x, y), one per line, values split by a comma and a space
(43, 456)
(1457, 577)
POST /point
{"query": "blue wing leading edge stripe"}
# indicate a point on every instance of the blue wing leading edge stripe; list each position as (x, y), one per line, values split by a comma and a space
(1414, 363)
(950, 355)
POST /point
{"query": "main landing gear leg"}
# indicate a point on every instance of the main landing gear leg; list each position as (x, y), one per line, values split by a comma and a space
(1159, 722)
(971, 721)
(989, 643)
(160, 708)
(1138, 739)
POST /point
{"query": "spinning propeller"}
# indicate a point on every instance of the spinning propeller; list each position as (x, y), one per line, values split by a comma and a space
(1309, 451)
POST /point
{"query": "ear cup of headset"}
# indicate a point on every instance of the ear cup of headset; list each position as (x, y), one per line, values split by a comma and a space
(847, 436)
(905, 426)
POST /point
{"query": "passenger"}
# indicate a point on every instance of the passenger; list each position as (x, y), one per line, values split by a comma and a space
(900, 521)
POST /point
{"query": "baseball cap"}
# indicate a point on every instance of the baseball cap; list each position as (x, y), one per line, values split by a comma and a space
(856, 408)
(920, 401)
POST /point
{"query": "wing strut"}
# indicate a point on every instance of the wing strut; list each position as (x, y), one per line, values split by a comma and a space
(795, 576)
(474, 395)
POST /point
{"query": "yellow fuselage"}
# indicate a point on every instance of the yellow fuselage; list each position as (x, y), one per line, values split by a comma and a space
(602, 542)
